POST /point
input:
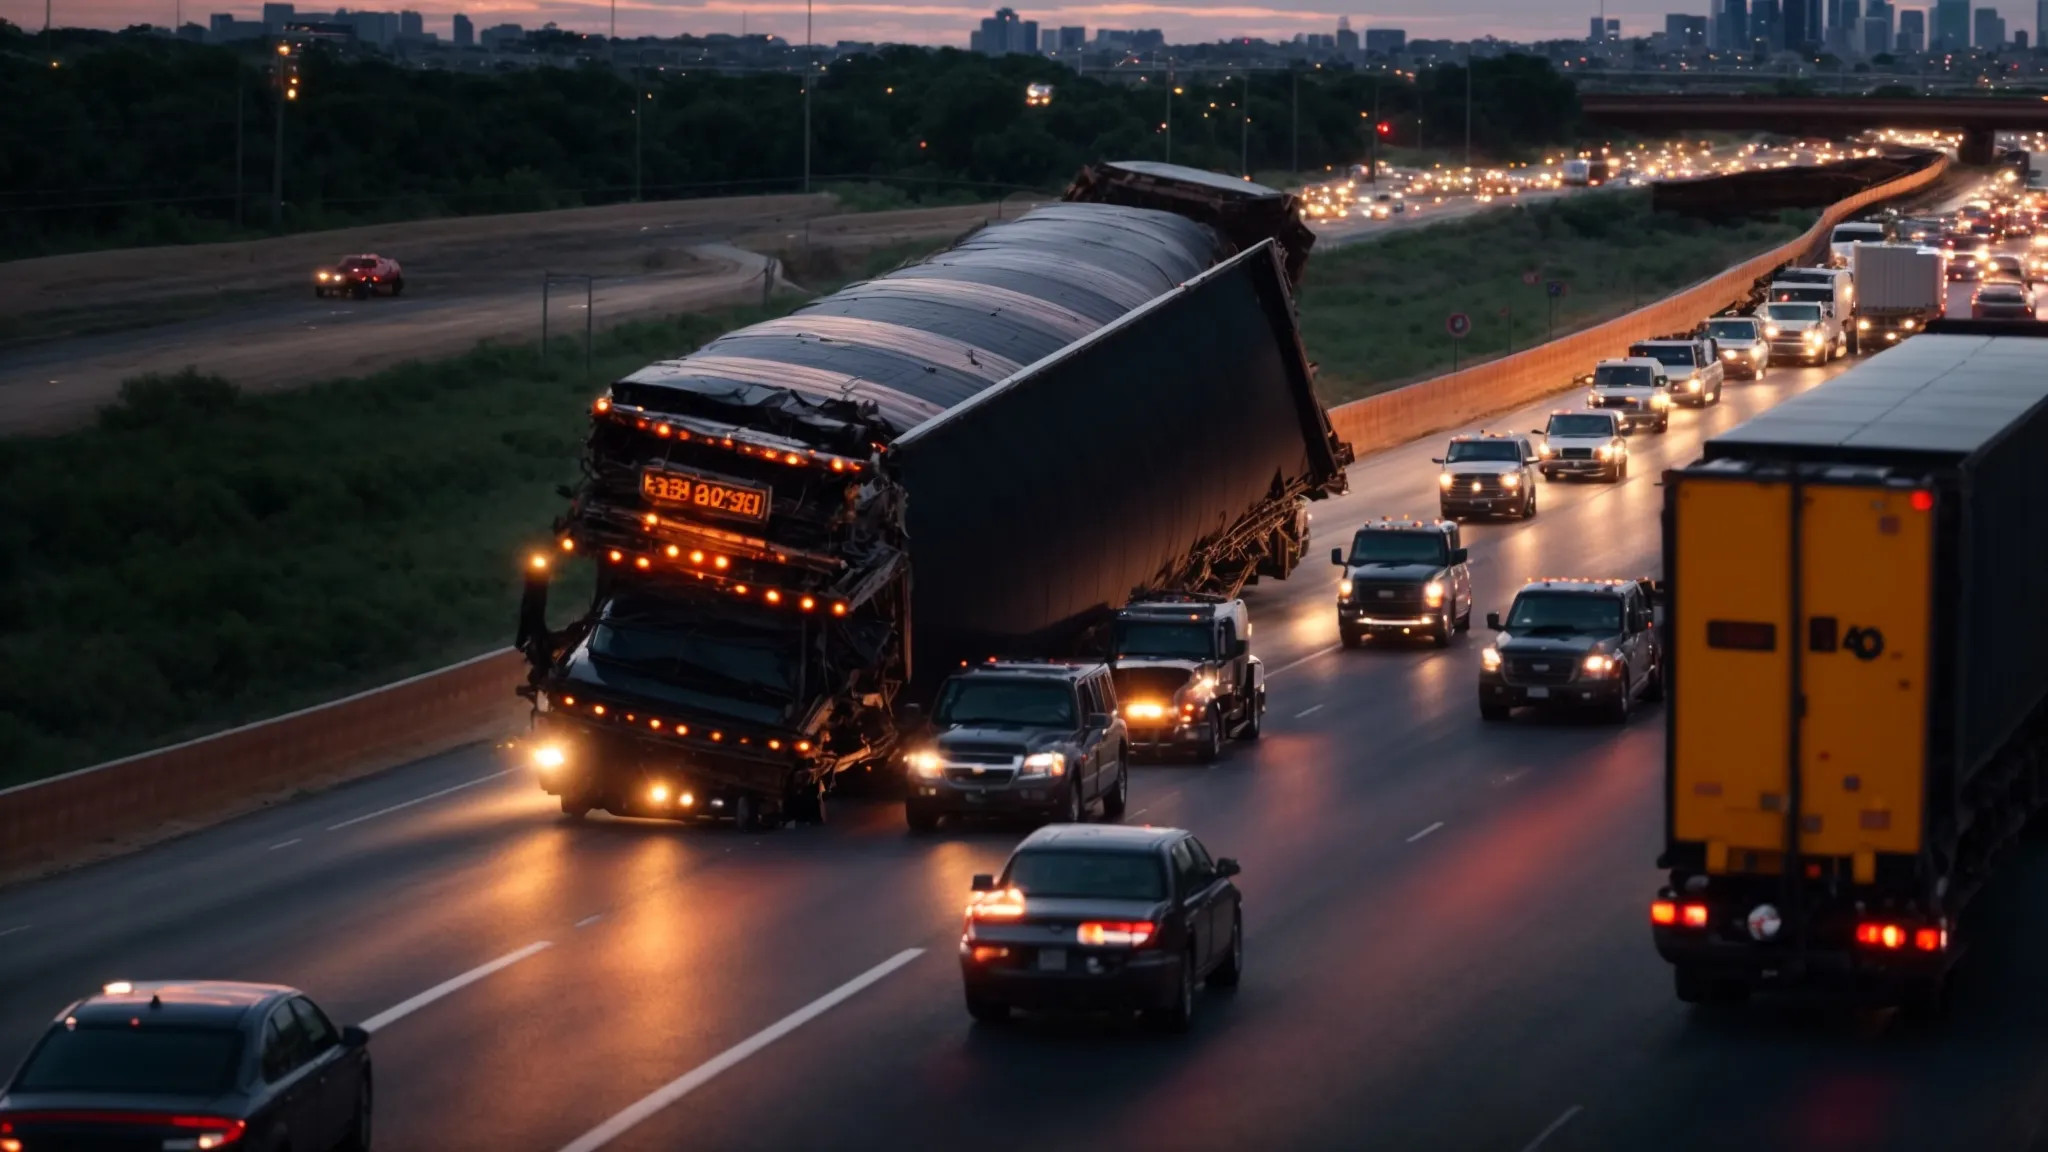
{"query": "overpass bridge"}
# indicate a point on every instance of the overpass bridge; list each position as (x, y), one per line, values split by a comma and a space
(1979, 119)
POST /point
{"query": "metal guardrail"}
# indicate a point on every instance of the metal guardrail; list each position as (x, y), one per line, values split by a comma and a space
(126, 803)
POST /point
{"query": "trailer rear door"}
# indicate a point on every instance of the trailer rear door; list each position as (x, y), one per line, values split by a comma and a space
(1851, 561)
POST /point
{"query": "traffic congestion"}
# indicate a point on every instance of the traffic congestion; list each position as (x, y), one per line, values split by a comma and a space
(1250, 819)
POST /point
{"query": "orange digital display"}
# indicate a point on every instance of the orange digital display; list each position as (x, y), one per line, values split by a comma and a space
(717, 497)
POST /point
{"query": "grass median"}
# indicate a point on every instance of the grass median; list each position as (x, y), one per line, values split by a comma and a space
(1373, 314)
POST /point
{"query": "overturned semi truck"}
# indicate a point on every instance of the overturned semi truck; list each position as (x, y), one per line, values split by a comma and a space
(805, 525)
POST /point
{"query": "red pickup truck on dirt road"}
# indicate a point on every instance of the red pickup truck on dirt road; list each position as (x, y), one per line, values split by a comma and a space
(360, 276)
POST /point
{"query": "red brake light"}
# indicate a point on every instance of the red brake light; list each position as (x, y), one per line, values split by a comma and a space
(1663, 912)
(217, 1131)
(1923, 501)
(1005, 904)
(1931, 939)
(1694, 915)
(1115, 933)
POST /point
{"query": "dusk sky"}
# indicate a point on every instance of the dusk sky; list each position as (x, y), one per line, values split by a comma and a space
(948, 21)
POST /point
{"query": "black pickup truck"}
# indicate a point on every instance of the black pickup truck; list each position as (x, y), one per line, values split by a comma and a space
(1186, 674)
(1589, 644)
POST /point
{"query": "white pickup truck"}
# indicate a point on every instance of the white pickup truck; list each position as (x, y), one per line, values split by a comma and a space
(1635, 388)
(1694, 367)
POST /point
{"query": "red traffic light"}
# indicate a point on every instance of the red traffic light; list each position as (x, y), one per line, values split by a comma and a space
(1386, 129)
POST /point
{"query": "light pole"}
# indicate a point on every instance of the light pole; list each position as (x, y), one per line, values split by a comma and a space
(1244, 128)
(1294, 107)
(639, 110)
(1468, 104)
(239, 88)
(287, 91)
(810, 78)
(1169, 109)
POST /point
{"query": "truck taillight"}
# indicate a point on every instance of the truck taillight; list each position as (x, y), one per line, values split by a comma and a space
(1667, 913)
(1896, 937)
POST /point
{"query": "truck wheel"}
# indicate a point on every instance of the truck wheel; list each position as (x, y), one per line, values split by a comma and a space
(1118, 798)
(920, 818)
(1625, 703)
(574, 808)
(748, 814)
(1653, 692)
(1076, 810)
(1256, 721)
(1349, 638)
(806, 803)
(1663, 425)
(1762, 370)
(1212, 744)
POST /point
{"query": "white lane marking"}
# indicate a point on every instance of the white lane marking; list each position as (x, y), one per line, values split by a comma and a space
(587, 921)
(1303, 660)
(420, 800)
(1425, 831)
(16, 928)
(1306, 711)
(697, 1077)
(1556, 1124)
(286, 844)
(400, 1011)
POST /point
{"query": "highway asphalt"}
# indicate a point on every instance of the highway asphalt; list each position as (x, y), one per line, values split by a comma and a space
(1447, 941)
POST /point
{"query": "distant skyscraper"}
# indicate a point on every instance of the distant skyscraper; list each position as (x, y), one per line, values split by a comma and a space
(1596, 29)
(1394, 41)
(1732, 35)
(1912, 37)
(412, 26)
(2019, 40)
(465, 32)
(1347, 38)
(1835, 27)
(1877, 28)
(1990, 30)
(1073, 39)
(1767, 25)
(276, 16)
(1951, 30)
(1685, 33)
(1802, 24)
(1852, 27)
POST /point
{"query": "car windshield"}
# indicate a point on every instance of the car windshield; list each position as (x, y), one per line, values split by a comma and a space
(1624, 376)
(1561, 612)
(2006, 264)
(1670, 355)
(1463, 450)
(1846, 233)
(1378, 546)
(979, 700)
(358, 264)
(1791, 313)
(1732, 329)
(1586, 424)
(1173, 639)
(1056, 874)
(2002, 294)
(146, 1061)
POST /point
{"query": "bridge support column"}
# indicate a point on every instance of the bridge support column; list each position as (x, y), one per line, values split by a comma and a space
(1980, 146)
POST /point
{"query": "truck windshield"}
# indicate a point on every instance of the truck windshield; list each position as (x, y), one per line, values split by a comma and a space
(1382, 547)
(979, 700)
(1172, 639)
(1670, 355)
(1732, 329)
(1624, 376)
(701, 655)
(1068, 875)
(1561, 612)
(1857, 233)
(1810, 293)
(1581, 425)
(1790, 313)
(1463, 450)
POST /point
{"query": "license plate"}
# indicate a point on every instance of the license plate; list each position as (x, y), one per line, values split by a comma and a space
(1539, 693)
(1052, 959)
(974, 796)
(705, 494)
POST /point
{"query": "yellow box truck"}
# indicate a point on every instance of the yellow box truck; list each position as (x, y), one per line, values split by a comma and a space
(1858, 666)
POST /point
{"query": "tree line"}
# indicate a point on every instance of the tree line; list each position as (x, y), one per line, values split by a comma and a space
(135, 138)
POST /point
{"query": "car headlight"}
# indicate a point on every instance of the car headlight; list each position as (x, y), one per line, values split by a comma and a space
(1344, 589)
(549, 757)
(1545, 451)
(1661, 400)
(1045, 764)
(1433, 593)
(1443, 479)
(1511, 480)
(1771, 331)
(1598, 664)
(925, 764)
(1693, 384)
(1727, 354)
(1145, 710)
(1813, 336)
(1863, 325)
(1592, 399)
(1489, 659)
(1607, 451)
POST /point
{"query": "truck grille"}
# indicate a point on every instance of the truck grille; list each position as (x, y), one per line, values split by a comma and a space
(981, 754)
(1575, 453)
(1540, 669)
(1383, 597)
(1476, 484)
(1617, 402)
(982, 776)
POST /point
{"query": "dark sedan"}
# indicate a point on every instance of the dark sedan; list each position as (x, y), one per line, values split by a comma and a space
(191, 1065)
(1102, 918)
(2002, 300)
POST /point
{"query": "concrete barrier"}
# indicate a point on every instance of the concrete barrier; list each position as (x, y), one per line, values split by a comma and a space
(1402, 414)
(122, 805)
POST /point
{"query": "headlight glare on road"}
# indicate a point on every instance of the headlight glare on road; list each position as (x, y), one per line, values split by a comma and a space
(1433, 592)
(925, 764)
(1489, 658)
(1044, 764)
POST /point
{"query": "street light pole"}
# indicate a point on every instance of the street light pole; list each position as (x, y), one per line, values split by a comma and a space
(1244, 128)
(639, 114)
(1169, 109)
(810, 78)
(1294, 107)
(1372, 165)
(239, 88)
(1468, 104)
(284, 95)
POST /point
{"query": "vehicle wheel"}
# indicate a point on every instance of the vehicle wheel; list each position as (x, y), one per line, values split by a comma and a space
(807, 804)
(747, 815)
(1762, 370)
(1529, 504)
(1547, 477)
(1349, 638)
(1653, 692)
(1118, 798)
(1623, 474)
(360, 292)
(398, 286)
(1256, 724)
(1441, 634)
(1717, 397)
(1664, 425)
(1625, 704)
(319, 293)
(987, 1011)
(360, 1129)
(1212, 745)
(1229, 973)
(1493, 713)
(920, 818)
(1180, 1015)
(574, 808)
(1075, 811)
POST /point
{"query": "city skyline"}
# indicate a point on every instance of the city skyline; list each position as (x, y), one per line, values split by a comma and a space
(949, 22)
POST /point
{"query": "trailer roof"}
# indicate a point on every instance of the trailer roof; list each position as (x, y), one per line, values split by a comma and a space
(1216, 180)
(1942, 396)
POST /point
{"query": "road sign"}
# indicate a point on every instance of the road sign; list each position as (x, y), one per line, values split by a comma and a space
(1530, 278)
(1459, 325)
(1557, 288)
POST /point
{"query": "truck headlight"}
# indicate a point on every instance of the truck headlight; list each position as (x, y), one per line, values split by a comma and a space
(1443, 479)
(1692, 384)
(549, 757)
(923, 764)
(1729, 354)
(1145, 710)
(1044, 764)
(1771, 331)
(1607, 451)
(1598, 665)
(1661, 400)
(1813, 336)
(1344, 589)
(1433, 593)
(1545, 451)
(1863, 325)
(1511, 480)
(1489, 659)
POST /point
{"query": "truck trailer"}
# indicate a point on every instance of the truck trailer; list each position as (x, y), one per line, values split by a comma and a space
(1856, 732)
(1900, 288)
(800, 529)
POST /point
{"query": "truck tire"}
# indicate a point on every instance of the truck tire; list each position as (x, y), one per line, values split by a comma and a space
(1529, 503)
(1624, 705)
(1118, 798)
(574, 807)
(1350, 638)
(920, 818)
(1653, 692)
(806, 804)
(1212, 745)
(1255, 726)
(1663, 426)
(1440, 634)
(398, 286)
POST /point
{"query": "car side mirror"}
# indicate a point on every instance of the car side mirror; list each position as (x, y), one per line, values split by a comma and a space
(1337, 557)
(983, 882)
(1097, 721)
(1436, 459)
(1493, 621)
(355, 1036)
(1227, 867)
(1459, 555)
